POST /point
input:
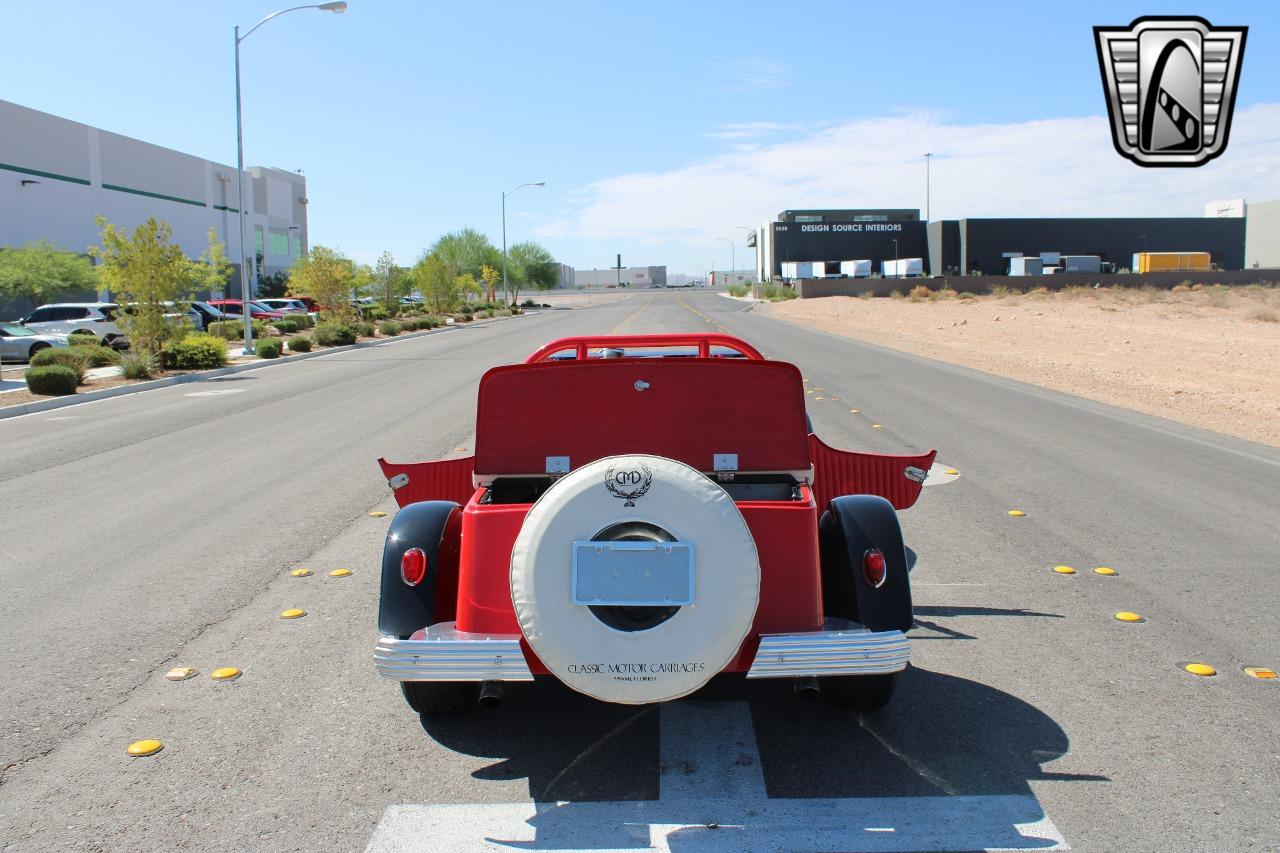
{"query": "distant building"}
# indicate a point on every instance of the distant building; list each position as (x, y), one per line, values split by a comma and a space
(1262, 235)
(964, 246)
(56, 175)
(631, 276)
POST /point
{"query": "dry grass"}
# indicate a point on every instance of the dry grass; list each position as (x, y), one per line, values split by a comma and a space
(1264, 315)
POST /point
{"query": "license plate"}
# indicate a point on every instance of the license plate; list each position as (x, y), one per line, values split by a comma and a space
(633, 574)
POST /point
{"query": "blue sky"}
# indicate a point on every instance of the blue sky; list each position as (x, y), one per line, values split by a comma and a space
(658, 126)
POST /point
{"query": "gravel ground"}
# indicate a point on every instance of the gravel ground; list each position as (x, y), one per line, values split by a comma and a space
(1209, 357)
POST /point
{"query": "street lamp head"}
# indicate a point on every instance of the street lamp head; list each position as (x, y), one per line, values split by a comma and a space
(540, 184)
(337, 8)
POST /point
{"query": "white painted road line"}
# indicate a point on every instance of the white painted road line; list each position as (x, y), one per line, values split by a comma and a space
(712, 798)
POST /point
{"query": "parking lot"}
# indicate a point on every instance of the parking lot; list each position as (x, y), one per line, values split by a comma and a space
(1032, 717)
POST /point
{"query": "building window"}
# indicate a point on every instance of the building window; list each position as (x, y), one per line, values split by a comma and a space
(278, 243)
(808, 217)
(257, 239)
(295, 240)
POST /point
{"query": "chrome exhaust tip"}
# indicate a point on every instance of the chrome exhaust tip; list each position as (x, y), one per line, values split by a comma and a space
(490, 694)
(806, 686)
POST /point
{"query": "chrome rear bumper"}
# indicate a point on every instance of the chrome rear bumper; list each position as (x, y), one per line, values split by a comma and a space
(443, 653)
(841, 648)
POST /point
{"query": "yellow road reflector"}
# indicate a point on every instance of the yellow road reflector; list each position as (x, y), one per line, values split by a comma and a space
(1202, 669)
(300, 573)
(140, 748)
(853, 411)
(1259, 672)
(1064, 570)
(952, 471)
(1129, 616)
(1105, 570)
(180, 673)
(225, 673)
(819, 398)
(377, 514)
(292, 613)
(339, 573)
(877, 426)
(1016, 513)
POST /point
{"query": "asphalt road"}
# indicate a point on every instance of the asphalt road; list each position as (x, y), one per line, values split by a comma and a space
(159, 529)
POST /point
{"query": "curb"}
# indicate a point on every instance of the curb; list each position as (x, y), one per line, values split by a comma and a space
(137, 388)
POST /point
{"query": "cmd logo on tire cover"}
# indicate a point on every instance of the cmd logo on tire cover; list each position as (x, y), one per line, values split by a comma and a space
(628, 482)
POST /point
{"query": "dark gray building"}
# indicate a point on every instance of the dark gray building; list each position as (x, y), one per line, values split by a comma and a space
(950, 247)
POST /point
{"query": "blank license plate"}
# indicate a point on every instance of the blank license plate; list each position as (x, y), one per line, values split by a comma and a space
(633, 574)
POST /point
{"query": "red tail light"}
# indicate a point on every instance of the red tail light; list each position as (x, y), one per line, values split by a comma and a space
(413, 566)
(874, 568)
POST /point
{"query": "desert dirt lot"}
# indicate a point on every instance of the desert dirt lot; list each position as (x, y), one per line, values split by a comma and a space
(1209, 357)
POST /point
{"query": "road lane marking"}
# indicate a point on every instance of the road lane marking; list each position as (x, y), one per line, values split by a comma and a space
(218, 392)
(713, 798)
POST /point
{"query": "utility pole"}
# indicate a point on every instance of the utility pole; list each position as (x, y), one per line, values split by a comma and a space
(927, 158)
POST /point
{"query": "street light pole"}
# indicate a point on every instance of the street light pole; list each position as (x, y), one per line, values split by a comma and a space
(248, 265)
(927, 159)
(732, 256)
(897, 272)
(506, 299)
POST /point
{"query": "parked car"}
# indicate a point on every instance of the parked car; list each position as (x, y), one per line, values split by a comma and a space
(285, 306)
(632, 561)
(235, 308)
(18, 343)
(189, 316)
(68, 318)
(208, 314)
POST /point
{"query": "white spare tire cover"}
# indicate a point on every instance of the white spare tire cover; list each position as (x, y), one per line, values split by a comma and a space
(673, 658)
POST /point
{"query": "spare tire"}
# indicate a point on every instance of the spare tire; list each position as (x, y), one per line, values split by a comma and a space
(635, 654)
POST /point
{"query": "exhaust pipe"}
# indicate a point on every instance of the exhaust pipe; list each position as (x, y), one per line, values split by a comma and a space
(806, 686)
(490, 694)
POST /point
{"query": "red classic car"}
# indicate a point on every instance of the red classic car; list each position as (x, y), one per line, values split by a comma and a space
(642, 513)
(236, 308)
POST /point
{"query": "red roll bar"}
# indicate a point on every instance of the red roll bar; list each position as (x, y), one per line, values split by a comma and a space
(703, 341)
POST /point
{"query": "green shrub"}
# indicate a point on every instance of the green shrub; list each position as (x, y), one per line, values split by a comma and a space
(227, 330)
(300, 344)
(286, 325)
(304, 321)
(81, 339)
(528, 303)
(137, 364)
(52, 380)
(268, 347)
(75, 359)
(737, 290)
(335, 334)
(777, 292)
(390, 328)
(364, 329)
(99, 356)
(196, 352)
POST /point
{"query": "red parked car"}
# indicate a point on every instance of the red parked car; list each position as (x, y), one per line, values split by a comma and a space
(256, 310)
(653, 524)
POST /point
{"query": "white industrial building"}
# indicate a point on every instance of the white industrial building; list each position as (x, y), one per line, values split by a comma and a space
(630, 276)
(56, 175)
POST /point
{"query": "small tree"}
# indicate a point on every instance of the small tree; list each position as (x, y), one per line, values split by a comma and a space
(213, 270)
(467, 286)
(145, 270)
(466, 251)
(439, 288)
(274, 285)
(531, 265)
(41, 270)
(325, 275)
(491, 277)
(390, 282)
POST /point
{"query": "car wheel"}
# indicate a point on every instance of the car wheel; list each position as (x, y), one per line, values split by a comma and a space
(439, 698)
(859, 692)
(35, 348)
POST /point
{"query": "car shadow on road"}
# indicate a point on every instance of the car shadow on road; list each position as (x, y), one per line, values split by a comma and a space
(940, 736)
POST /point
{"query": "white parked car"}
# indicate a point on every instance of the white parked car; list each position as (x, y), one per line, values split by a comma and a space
(18, 343)
(70, 318)
(285, 306)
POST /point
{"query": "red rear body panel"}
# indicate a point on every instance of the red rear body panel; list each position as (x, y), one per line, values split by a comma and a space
(688, 409)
